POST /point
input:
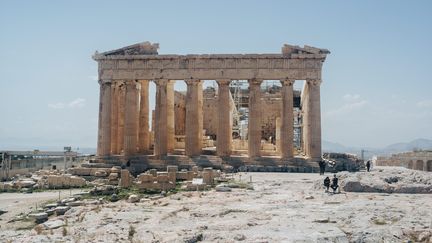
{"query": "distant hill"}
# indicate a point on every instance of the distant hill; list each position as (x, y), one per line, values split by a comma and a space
(328, 146)
(417, 144)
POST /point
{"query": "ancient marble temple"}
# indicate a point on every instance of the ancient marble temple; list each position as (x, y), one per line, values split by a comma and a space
(124, 77)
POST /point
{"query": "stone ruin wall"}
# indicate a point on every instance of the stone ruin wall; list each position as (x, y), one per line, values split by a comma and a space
(417, 160)
(271, 109)
(179, 112)
(271, 105)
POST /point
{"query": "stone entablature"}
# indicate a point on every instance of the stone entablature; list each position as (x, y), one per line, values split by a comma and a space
(300, 65)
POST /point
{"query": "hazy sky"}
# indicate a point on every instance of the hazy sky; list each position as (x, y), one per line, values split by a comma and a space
(376, 86)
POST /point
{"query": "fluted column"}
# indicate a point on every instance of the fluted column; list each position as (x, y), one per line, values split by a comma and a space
(104, 138)
(160, 137)
(99, 135)
(121, 99)
(224, 129)
(131, 118)
(114, 117)
(254, 123)
(170, 117)
(143, 133)
(313, 114)
(194, 125)
(287, 128)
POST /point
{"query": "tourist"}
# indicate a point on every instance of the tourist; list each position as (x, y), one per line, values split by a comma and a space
(334, 185)
(368, 165)
(327, 183)
(322, 165)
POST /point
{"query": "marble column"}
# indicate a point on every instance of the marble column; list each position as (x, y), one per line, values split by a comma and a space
(131, 118)
(224, 129)
(105, 119)
(194, 119)
(287, 116)
(161, 133)
(143, 131)
(121, 99)
(99, 135)
(170, 117)
(114, 117)
(313, 116)
(278, 135)
(254, 123)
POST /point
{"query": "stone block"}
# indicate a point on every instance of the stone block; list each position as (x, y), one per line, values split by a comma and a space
(162, 173)
(75, 181)
(182, 175)
(172, 168)
(25, 183)
(145, 178)
(207, 175)
(191, 175)
(125, 180)
(133, 198)
(80, 171)
(162, 178)
(153, 172)
(61, 210)
(195, 169)
(172, 175)
(113, 176)
(39, 217)
(101, 173)
(115, 169)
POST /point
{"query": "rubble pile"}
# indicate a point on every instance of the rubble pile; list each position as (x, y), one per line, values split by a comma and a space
(342, 162)
(43, 179)
(115, 176)
(154, 180)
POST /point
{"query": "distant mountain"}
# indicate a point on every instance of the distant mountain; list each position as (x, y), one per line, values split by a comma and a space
(417, 144)
(328, 146)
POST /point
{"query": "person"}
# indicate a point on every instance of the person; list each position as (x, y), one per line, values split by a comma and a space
(327, 183)
(368, 165)
(335, 185)
(322, 165)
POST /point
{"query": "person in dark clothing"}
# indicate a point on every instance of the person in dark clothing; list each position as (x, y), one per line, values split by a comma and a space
(334, 185)
(327, 183)
(368, 165)
(322, 165)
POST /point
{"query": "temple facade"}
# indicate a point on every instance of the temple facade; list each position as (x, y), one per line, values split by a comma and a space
(125, 74)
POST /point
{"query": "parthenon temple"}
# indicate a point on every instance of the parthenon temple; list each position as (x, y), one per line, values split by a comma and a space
(129, 129)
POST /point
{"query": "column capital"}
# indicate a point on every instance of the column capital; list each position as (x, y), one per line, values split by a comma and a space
(105, 81)
(131, 83)
(287, 82)
(193, 82)
(314, 82)
(222, 82)
(255, 81)
(142, 80)
(161, 82)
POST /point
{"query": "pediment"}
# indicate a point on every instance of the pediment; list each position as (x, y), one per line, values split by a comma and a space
(143, 48)
(287, 50)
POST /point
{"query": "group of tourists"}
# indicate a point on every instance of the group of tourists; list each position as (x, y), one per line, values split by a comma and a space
(333, 184)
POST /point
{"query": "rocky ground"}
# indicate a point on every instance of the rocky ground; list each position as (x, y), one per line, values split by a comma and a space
(282, 207)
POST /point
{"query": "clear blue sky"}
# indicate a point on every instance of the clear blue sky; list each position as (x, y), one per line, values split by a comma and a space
(376, 86)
